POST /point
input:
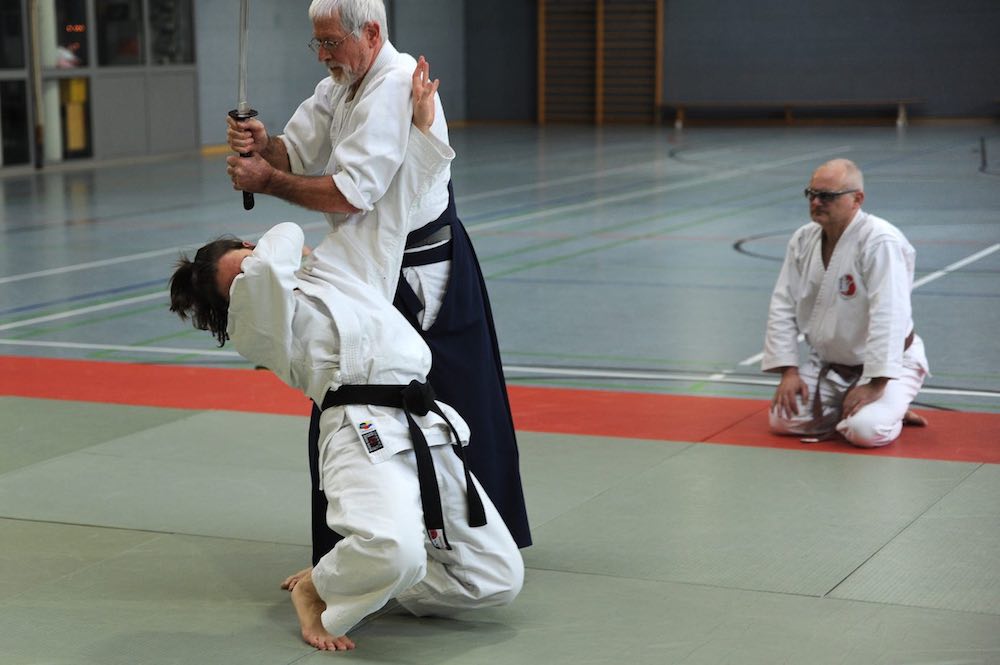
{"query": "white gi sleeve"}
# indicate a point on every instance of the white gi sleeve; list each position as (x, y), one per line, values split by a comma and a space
(374, 144)
(888, 282)
(307, 133)
(781, 347)
(426, 158)
(262, 300)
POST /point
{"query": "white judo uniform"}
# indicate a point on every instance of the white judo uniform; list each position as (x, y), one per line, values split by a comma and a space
(319, 326)
(361, 141)
(856, 315)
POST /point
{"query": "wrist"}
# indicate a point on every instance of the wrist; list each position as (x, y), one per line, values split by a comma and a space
(267, 150)
(270, 184)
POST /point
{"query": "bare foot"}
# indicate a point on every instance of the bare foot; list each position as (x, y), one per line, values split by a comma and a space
(914, 419)
(292, 580)
(309, 608)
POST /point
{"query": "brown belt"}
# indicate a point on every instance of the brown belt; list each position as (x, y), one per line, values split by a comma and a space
(850, 373)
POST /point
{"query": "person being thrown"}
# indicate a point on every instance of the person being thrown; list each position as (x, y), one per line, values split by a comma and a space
(418, 526)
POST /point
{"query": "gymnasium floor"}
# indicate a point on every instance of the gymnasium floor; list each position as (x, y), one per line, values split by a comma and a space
(153, 488)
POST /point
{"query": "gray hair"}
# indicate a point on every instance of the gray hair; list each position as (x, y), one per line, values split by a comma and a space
(354, 14)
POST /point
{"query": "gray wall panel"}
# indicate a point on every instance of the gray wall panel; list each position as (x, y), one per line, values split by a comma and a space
(776, 50)
(436, 30)
(171, 106)
(281, 70)
(502, 55)
(118, 108)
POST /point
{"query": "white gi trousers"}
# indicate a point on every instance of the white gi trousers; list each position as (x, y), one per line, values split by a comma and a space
(386, 553)
(876, 424)
(429, 283)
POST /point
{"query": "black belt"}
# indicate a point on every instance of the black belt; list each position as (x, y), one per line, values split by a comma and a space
(436, 239)
(416, 398)
(438, 231)
(429, 233)
(424, 257)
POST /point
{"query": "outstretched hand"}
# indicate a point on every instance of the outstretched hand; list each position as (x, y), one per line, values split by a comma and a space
(423, 95)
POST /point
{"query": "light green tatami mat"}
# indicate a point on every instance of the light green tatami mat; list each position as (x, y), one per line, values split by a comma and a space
(148, 536)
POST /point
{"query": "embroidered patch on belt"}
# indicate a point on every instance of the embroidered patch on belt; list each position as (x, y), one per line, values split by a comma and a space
(846, 286)
(372, 440)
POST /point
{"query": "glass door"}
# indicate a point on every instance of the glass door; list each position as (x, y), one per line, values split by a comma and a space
(92, 78)
(15, 143)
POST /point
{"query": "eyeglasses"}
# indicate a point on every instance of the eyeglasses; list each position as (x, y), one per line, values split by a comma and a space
(825, 197)
(330, 45)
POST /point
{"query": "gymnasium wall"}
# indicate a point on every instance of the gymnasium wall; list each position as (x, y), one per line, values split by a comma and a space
(945, 53)
(483, 52)
(501, 38)
(436, 30)
(281, 70)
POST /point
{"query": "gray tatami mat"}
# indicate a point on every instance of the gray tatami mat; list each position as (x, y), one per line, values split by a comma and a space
(645, 552)
(948, 558)
(235, 475)
(750, 518)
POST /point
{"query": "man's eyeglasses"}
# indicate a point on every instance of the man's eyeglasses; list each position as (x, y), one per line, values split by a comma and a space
(826, 197)
(330, 45)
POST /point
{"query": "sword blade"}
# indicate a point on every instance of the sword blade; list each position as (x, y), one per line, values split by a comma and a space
(242, 105)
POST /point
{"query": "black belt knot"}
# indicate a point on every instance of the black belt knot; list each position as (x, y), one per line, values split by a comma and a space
(417, 398)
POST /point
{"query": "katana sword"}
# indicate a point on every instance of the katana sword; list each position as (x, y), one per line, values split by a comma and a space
(243, 110)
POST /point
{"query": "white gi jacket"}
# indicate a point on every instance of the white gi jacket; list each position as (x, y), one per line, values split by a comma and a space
(361, 142)
(856, 311)
(318, 328)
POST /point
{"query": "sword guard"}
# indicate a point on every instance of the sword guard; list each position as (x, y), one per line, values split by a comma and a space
(238, 115)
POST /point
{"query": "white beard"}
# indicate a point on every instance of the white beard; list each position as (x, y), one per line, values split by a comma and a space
(341, 75)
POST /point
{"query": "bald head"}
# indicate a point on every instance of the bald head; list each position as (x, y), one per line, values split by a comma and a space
(843, 171)
(836, 192)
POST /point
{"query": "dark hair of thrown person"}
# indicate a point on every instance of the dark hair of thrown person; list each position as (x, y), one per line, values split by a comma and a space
(193, 291)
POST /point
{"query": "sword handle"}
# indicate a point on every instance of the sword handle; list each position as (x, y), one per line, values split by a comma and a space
(247, 196)
(236, 115)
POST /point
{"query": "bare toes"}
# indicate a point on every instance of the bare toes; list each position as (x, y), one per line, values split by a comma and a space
(914, 419)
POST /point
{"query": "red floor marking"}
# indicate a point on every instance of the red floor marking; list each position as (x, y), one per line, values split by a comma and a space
(954, 436)
(629, 415)
(150, 385)
(969, 437)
